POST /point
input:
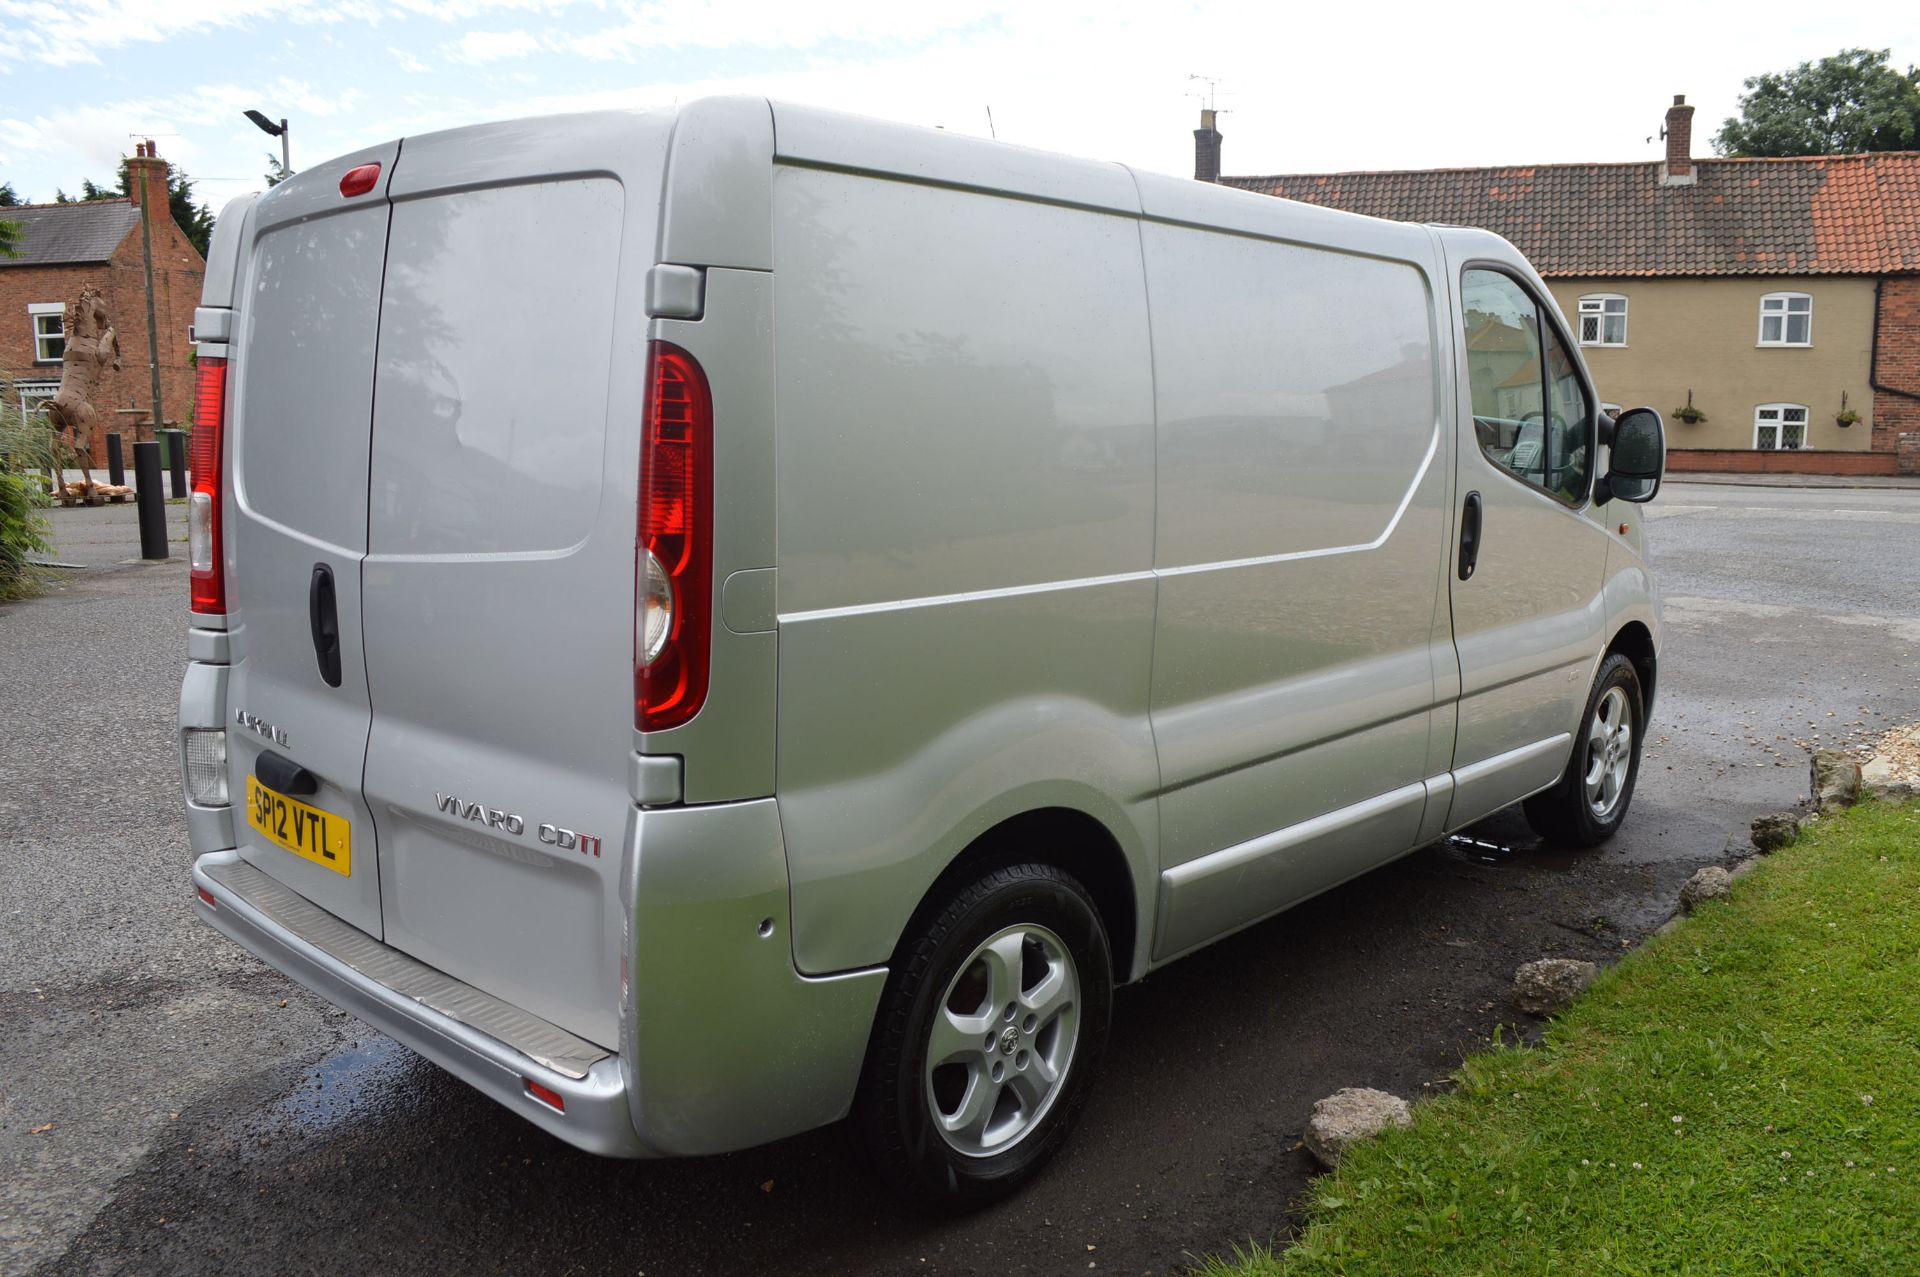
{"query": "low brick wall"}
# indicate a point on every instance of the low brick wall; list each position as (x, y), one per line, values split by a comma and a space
(1805, 461)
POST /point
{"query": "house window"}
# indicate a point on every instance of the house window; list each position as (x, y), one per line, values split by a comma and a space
(33, 394)
(1603, 320)
(1780, 427)
(1786, 319)
(49, 341)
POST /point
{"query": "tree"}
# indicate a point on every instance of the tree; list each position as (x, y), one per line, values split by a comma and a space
(9, 231)
(196, 220)
(276, 171)
(1853, 101)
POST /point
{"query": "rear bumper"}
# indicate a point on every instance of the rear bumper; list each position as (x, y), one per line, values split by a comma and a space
(597, 1117)
(724, 1045)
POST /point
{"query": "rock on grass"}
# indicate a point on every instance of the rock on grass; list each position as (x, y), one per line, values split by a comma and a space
(1711, 883)
(1881, 778)
(1350, 1115)
(1551, 984)
(1836, 780)
(1771, 833)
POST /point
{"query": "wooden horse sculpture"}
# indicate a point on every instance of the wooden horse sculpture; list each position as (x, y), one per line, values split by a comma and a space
(92, 348)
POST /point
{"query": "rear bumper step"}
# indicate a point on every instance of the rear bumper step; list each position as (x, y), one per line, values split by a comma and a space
(490, 1044)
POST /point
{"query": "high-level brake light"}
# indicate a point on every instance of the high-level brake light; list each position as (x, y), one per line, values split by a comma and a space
(360, 180)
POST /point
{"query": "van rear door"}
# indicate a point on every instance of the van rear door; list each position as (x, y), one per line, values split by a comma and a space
(499, 582)
(301, 391)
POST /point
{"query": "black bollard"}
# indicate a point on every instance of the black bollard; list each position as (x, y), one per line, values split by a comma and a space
(153, 509)
(116, 464)
(177, 462)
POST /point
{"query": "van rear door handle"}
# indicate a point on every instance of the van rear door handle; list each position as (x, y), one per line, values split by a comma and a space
(323, 613)
(1469, 535)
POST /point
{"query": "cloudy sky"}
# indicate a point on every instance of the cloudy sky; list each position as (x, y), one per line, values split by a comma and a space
(1324, 86)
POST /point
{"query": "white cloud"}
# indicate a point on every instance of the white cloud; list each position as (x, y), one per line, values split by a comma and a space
(478, 48)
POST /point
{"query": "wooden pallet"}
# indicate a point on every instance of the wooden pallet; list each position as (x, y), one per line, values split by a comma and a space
(99, 494)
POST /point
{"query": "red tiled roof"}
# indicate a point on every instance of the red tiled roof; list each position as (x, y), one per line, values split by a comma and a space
(1817, 215)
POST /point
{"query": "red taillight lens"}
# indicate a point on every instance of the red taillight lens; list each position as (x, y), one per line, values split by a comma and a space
(209, 573)
(673, 559)
(360, 180)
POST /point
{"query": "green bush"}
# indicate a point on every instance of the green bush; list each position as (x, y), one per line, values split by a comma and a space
(27, 446)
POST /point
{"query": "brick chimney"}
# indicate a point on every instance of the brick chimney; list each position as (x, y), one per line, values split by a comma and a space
(1206, 149)
(147, 174)
(1678, 170)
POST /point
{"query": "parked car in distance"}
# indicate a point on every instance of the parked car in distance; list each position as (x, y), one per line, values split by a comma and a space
(715, 621)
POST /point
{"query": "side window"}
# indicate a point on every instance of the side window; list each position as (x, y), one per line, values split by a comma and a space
(1569, 421)
(1503, 373)
(1531, 414)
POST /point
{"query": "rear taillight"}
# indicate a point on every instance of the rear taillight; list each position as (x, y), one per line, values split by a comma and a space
(203, 507)
(673, 558)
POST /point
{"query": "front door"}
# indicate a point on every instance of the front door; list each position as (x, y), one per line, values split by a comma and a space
(1528, 618)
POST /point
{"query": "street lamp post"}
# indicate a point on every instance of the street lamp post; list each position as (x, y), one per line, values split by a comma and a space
(275, 130)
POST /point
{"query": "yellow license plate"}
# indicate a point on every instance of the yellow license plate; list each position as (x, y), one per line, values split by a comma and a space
(319, 836)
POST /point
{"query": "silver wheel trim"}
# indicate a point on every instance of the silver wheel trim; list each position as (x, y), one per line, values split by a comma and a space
(1002, 1058)
(1609, 752)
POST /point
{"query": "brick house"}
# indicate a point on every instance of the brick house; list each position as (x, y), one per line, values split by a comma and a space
(67, 247)
(1776, 292)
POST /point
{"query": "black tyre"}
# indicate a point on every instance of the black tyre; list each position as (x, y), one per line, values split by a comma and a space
(1588, 803)
(987, 1038)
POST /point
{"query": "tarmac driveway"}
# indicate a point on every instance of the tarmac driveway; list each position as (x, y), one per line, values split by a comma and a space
(208, 1116)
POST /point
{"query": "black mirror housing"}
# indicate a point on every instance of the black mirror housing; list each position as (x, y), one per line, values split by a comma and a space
(1638, 458)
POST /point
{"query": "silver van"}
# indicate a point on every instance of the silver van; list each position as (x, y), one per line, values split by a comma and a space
(714, 621)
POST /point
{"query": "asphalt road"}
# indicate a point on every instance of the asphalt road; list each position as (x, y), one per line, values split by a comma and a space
(208, 1116)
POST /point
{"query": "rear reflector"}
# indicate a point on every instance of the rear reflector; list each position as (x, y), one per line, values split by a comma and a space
(358, 181)
(673, 557)
(547, 1096)
(205, 896)
(204, 455)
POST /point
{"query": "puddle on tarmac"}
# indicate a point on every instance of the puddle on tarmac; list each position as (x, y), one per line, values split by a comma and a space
(367, 1079)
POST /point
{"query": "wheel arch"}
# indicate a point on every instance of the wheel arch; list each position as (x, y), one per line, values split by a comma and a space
(1070, 840)
(1635, 642)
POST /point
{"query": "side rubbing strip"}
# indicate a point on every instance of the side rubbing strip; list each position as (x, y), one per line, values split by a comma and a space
(545, 1043)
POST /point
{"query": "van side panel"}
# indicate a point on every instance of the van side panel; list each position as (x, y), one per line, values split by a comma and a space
(964, 467)
(1303, 481)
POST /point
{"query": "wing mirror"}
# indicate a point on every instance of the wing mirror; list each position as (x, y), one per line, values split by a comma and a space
(1638, 440)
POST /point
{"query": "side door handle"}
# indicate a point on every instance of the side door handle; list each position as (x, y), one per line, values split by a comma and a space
(1469, 535)
(323, 613)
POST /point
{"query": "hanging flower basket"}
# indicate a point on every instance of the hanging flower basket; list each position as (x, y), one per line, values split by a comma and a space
(1688, 413)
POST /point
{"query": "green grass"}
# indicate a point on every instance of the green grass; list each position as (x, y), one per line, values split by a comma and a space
(1740, 1096)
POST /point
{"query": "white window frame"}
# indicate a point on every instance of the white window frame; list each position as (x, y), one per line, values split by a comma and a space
(1597, 306)
(1773, 416)
(1780, 307)
(36, 311)
(34, 393)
